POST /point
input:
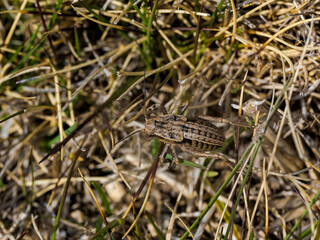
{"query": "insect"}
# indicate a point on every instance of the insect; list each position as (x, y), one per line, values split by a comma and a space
(197, 136)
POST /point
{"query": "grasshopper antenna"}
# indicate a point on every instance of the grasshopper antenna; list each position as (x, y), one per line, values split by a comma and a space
(159, 87)
(127, 137)
(146, 98)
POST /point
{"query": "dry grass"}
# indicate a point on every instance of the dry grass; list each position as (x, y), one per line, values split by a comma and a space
(79, 73)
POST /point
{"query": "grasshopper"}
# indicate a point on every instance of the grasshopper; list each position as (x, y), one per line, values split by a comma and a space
(197, 136)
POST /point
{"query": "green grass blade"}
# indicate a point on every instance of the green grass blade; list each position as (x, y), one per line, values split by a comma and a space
(216, 196)
(160, 235)
(31, 52)
(64, 195)
(104, 198)
(57, 138)
(142, 16)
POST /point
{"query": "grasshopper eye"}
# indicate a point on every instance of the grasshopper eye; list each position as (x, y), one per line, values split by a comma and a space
(155, 110)
(150, 115)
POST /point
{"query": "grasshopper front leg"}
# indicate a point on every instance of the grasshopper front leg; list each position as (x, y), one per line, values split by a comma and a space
(163, 154)
(175, 159)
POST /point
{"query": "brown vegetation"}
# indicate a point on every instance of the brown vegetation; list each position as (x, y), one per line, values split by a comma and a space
(76, 78)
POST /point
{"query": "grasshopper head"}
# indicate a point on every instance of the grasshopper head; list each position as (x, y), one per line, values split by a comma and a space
(150, 127)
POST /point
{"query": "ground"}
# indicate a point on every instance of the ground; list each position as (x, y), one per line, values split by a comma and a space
(77, 77)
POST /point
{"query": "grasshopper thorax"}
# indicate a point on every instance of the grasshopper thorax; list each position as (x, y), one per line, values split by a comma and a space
(166, 127)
